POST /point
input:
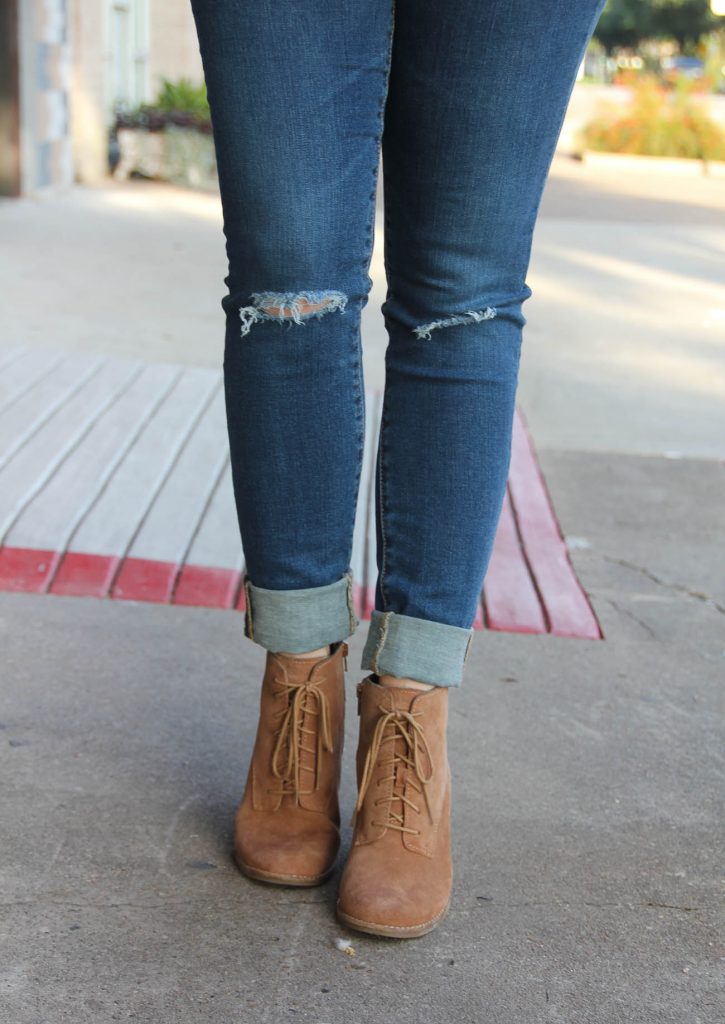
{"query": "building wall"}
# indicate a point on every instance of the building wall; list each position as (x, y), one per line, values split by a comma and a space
(163, 42)
(69, 75)
(9, 99)
(174, 50)
(45, 138)
(88, 118)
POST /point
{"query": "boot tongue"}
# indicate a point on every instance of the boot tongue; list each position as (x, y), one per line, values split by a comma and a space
(398, 698)
(300, 670)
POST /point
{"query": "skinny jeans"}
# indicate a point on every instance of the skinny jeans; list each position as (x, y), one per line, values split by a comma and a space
(464, 101)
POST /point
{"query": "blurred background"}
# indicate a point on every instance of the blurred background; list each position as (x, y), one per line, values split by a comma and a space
(89, 87)
(107, 163)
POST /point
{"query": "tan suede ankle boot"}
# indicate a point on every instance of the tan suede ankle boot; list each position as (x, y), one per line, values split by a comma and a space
(398, 876)
(287, 826)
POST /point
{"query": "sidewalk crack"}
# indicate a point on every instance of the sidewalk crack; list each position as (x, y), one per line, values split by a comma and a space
(679, 587)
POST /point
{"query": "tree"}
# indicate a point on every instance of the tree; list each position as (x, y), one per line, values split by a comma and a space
(684, 20)
(627, 22)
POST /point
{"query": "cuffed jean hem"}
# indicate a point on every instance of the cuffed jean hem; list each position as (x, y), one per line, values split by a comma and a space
(297, 621)
(413, 648)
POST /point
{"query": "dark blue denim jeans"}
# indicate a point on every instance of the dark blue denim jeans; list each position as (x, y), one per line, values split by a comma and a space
(466, 99)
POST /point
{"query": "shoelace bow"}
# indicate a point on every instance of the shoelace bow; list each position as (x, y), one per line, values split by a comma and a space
(414, 755)
(302, 698)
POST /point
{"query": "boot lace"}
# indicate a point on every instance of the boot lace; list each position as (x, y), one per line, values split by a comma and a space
(410, 762)
(287, 761)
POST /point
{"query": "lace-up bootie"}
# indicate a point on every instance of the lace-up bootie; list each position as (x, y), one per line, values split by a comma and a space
(397, 880)
(287, 826)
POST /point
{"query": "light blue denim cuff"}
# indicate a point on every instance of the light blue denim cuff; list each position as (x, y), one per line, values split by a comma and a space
(412, 648)
(299, 620)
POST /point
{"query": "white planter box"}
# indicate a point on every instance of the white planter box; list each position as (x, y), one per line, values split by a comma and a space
(180, 155)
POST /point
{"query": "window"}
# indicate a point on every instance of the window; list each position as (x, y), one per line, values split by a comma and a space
(129, 42)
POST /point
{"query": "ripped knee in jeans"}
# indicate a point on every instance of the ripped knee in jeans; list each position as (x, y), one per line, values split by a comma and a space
(470, 316)
(290, 307)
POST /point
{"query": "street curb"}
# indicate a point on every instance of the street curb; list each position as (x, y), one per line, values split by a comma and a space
(630, 164)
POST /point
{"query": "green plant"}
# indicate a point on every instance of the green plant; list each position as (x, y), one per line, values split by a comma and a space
(183, 95)
(658, 122)
(181, 102)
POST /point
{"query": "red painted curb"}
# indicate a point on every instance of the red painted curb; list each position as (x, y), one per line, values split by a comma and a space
(141, 579)
(26, 569)
(84, 575)
(201, 586)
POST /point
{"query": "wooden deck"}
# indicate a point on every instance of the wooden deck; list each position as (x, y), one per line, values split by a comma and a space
(115, 483)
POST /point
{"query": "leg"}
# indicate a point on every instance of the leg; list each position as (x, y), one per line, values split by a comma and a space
(296, 98)
(478, 93)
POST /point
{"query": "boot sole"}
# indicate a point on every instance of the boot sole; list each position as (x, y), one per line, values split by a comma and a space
(390, 931)
(302, 881)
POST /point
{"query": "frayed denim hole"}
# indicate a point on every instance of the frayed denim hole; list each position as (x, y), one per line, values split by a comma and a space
(290, 307)
(472, 316)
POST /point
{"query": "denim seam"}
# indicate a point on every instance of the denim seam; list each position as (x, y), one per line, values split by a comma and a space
(360, 415)
(384, 556)
(387, 234)
(350, 604)
(248, 620)
(382, 636)
(378, 139)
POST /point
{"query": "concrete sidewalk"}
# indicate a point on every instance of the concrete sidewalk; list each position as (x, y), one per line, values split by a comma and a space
(588, 774)
(588, 807)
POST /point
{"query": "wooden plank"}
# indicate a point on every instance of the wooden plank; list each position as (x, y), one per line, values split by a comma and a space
(206, 587)
(24, 569)
(144, 579)
(119, 512)
(365, 493)
(22, 420)
(510, 598)
(41, 457)
(172, 520)
(217, 541)
(9, 355)
(51, 518)
(24, 372)
(213, 487)
(566, 606)
(84, 575)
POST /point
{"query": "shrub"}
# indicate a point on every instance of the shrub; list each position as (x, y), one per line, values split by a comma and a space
(182, 102)
(658, 122)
